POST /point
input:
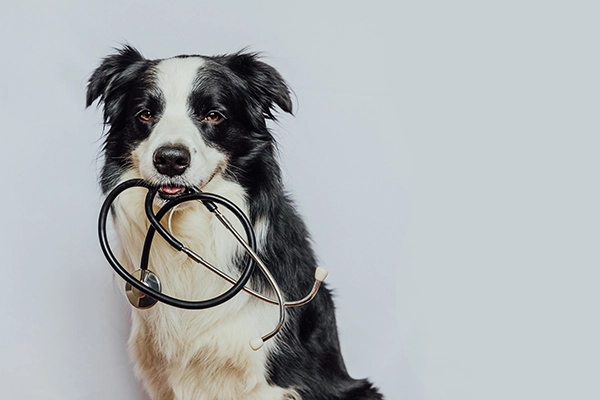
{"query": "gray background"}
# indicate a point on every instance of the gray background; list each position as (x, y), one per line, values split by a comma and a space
(444, 154)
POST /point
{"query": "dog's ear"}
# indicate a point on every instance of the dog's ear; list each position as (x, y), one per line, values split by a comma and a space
(113, 74)
(267, 85)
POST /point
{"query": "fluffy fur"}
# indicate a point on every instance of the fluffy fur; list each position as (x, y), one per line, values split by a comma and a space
(211, 113)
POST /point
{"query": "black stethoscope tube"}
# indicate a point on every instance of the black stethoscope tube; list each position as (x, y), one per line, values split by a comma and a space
(208, 199)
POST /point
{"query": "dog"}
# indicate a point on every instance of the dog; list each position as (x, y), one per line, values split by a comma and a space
(201, 121)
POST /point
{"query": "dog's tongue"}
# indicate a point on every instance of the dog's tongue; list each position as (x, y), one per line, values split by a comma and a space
(171, 189)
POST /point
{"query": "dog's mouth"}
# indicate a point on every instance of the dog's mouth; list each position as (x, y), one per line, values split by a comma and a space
(177, 188)
(170, 192)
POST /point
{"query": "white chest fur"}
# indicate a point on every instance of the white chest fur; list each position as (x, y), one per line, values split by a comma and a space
(204, 354)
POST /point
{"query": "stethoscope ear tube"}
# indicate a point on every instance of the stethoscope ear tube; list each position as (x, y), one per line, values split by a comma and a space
(156, 226)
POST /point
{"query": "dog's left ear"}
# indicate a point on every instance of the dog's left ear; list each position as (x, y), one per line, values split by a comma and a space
(269, 88)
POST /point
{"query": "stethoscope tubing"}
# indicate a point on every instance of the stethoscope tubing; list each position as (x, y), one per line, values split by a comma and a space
(156, 226)
(209, 200)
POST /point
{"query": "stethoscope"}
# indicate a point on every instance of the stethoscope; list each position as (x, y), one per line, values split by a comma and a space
(143, 287)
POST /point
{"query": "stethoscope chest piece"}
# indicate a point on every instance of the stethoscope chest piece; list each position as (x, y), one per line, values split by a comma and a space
(136, 297)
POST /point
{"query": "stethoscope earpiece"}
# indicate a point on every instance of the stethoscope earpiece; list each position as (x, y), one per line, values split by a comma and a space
(136, 297)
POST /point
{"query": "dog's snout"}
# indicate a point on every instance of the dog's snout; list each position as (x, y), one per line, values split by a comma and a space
(171, 160)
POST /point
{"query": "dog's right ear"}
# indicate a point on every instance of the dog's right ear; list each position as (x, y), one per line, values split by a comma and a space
(111, 75)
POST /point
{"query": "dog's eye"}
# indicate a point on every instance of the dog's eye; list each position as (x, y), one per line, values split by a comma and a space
(145, 115)
(214, 117)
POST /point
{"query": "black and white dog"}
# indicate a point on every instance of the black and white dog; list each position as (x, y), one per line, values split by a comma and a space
(196, 121)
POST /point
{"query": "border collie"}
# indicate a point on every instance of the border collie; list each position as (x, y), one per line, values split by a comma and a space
(197, 121)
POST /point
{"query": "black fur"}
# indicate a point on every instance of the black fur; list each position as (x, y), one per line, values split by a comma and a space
(248, 92)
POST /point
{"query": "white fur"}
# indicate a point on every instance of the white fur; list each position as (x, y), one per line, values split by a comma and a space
(184, 354)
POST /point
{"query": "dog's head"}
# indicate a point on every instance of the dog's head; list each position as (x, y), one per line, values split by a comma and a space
(179, 122)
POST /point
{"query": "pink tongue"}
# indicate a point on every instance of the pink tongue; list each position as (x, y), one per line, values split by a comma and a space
(171, 189)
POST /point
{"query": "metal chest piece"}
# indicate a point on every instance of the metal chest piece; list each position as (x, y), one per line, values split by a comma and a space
(137, 298)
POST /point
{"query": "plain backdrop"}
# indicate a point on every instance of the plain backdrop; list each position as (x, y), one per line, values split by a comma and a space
(444, 154)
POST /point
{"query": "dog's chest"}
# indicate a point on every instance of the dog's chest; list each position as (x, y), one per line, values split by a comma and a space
(207, 351)
(218, 336)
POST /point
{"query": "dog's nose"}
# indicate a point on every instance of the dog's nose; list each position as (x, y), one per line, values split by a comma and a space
(171, 160)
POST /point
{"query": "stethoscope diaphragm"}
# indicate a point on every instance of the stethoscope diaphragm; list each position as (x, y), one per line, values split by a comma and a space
(138, 298)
